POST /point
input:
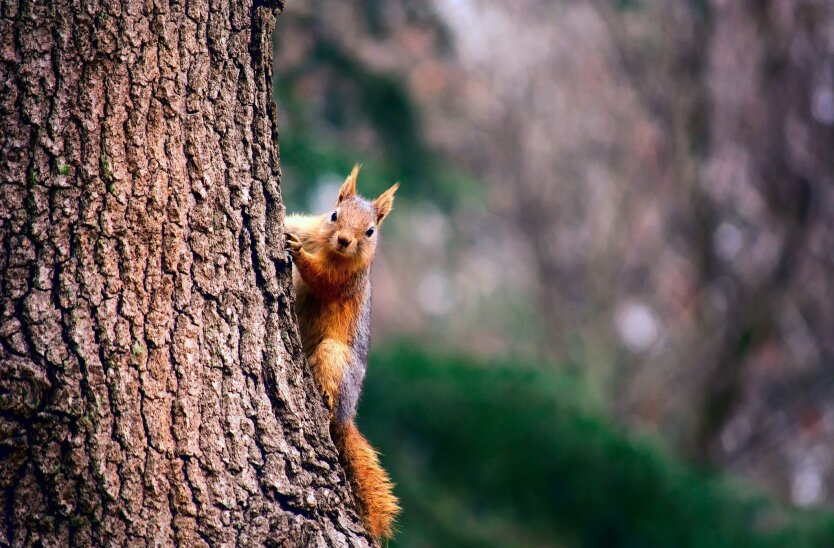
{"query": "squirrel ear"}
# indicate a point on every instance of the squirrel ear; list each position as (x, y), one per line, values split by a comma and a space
(348, 188)
(384, 203)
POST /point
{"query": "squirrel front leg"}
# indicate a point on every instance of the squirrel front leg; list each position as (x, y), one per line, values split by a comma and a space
(303, 226)
(328, 362)
(309, 266)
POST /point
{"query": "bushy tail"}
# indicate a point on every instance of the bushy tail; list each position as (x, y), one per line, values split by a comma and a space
(370, 481)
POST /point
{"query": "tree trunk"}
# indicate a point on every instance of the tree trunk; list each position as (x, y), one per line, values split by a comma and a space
(152, 384)
(765, 65)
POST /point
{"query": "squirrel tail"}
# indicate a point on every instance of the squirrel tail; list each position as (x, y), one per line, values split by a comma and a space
(370, 481)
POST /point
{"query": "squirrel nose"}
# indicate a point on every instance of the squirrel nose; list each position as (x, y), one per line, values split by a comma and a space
(343, 242)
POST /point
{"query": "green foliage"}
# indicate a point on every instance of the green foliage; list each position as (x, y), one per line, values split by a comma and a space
(624, 5)
(316, 142)
(308, 157)
(384, 103)
(499, 454)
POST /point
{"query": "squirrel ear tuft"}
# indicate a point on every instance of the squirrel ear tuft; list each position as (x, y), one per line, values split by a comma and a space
(385, 202)
(348, 188)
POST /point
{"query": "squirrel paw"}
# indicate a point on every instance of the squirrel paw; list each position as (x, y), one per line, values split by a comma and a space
(293, 244)
(328, 400)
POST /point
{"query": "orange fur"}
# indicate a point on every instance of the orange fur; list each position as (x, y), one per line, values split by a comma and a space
(372, 484)
(328, 362)
(331, 282)
(385, 202)
(348, 188)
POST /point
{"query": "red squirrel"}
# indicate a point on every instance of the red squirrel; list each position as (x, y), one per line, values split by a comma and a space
(332, 254)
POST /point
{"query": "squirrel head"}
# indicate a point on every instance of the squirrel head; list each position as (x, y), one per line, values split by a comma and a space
(352, 228)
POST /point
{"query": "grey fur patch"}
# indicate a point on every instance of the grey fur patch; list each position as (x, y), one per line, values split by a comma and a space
(354, 374)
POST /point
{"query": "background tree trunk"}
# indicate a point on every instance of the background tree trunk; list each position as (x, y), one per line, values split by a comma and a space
(152, 386)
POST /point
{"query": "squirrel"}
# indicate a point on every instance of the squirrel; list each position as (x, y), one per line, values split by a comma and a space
(332, 254)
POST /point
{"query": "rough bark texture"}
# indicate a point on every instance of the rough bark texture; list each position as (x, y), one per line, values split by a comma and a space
(152, 384)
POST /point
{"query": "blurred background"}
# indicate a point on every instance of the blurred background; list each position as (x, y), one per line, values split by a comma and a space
(604, 305)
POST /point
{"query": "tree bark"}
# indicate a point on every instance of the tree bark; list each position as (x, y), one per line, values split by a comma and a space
(764, 67)
(152, 384)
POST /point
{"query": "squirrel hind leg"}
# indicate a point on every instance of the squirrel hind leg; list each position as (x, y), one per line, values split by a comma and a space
(371, 483)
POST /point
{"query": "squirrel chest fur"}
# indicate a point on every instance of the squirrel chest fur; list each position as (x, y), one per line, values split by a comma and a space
(342, 319)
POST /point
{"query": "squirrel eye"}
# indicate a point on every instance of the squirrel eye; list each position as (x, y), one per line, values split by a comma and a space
(370, 232)
(334, 216)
